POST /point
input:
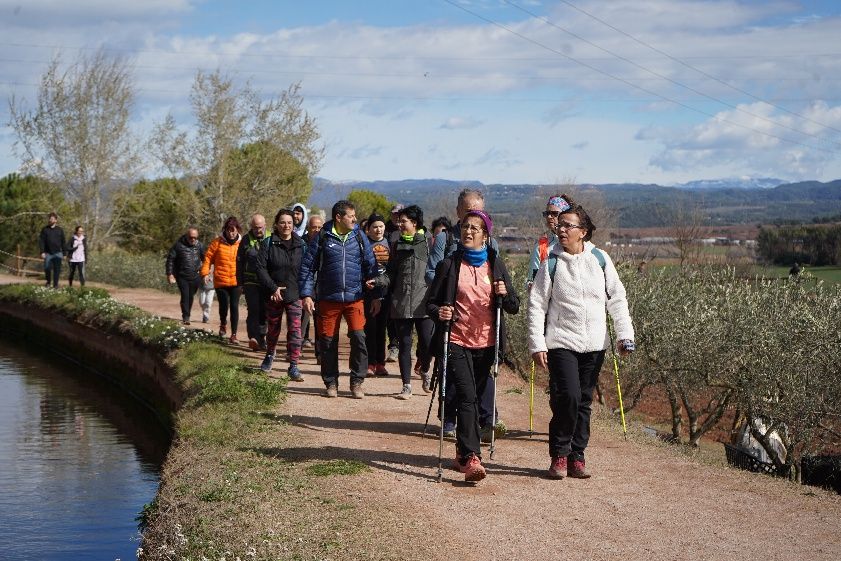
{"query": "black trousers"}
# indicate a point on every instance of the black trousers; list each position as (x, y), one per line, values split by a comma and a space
(572, 380)
(424, 328)
(375, 332)
(255, 321)
(470, 371)
(228, 297)
(486, 402)
(188, 289)
(77, 266)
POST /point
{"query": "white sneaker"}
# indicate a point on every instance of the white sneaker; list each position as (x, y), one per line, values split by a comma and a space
(406, 392)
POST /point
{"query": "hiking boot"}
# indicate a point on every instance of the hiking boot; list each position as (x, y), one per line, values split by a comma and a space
(449, 430)
(577, 470)
(426, 381)
(356, 389)
(233, 339)
(185, 322)
(266, 366)
(393, 353)
(205, 318)
(457, 465)
(417, 368)
(372, 369)
(253, 344)
(473, 470)
(406, 392)
(485, 433)
(294, 373)
(223, 330)
(307, 343)
(379, 370)
(558, 469)
(332, 390)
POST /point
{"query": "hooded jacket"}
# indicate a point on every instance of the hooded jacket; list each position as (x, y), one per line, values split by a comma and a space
(249, 249)
(300, 230)
(404, 277)
(569, 312)
(278, 264)
(222, 254)
(443, 292)
(342, 268)
(184, 260)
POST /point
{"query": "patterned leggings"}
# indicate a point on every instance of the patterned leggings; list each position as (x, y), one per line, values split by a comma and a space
(274, 315)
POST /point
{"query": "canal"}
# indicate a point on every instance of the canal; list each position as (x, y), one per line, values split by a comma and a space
(79, 461)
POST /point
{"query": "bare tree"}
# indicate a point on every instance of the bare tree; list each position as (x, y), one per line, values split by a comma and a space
(240, 142)
(79, 134)
(684, 223)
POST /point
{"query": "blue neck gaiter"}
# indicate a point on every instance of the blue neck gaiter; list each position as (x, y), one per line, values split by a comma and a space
(476, 257)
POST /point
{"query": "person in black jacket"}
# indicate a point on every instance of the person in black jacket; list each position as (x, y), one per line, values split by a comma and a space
(51, 242)
(183, 264)
(278, 265)
(255, 297)
(467, 287)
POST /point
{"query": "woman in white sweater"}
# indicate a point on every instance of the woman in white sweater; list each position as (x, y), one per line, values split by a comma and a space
(568, 333)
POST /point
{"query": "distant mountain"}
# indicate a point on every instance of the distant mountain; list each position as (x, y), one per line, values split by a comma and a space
(733, 202)
(732, 183)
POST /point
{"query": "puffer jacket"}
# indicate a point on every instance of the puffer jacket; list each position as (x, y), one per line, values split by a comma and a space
(342, 268)
(279, 263)
(442, 292)
(222, 254)
(404, 277)
(569, 313)
(185, 260)
(249, 249)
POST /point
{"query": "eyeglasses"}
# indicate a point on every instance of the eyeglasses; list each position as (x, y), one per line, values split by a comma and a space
(567, 226)
(471, 228)
(552, 213)
(192, 239)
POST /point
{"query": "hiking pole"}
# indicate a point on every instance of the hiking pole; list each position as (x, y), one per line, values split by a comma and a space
(495, 376)
(432, 388)
(531, 401)
(443, 386)
(616, 375)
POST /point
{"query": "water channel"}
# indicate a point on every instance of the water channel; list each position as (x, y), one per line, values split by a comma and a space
(78, 461)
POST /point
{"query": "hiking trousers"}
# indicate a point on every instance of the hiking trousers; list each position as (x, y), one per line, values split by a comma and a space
(274, 317)
(329, 318)
(572, 380)
(469, 370)
(188, 289)
(424, 328)
(255, 321)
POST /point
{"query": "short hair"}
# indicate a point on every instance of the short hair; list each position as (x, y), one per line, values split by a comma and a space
(282, 212)
(468, 193)
(414, 213)
(314, 217)
(341, 208)
(76, 229)
(52, 215)
(442, 221)
(231, 222)
(584, 220)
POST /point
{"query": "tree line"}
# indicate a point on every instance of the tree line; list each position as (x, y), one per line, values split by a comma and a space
(812, 244)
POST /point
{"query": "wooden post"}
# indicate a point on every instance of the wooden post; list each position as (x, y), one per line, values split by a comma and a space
(19, 262)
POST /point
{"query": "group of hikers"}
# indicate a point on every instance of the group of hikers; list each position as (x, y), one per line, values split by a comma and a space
(446, 283)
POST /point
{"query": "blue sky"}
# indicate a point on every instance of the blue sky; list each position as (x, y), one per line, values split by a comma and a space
(667, 91)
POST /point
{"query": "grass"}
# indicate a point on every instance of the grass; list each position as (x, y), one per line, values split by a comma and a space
(336, 467)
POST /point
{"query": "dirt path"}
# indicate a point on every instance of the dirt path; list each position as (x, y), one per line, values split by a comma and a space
(642, 501)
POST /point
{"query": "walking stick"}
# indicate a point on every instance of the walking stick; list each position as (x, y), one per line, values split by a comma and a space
(616, 375)
(495, 375)
(531, 401)
(432, 388)
(443, 386)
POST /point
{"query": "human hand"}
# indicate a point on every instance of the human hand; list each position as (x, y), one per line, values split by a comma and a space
(171, 279)
(43, 256)
(445, 313)
(308, 304)
(376, 306)
(500, 289)
(277, 296)
(369, 284)
(539, 359)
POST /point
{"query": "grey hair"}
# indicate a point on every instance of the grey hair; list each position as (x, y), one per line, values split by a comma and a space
(468, 193)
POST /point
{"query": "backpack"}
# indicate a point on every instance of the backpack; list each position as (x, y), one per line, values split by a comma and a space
(553, 264)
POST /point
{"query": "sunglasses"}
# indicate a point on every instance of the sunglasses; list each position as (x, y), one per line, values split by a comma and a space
(552, 213)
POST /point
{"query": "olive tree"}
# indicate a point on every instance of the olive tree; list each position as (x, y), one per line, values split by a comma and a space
(78, 135)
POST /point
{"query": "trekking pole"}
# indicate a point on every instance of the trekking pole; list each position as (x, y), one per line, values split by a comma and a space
(495, 376)
(443, 387)
(616, 375)
(433, 386)
(531, 401)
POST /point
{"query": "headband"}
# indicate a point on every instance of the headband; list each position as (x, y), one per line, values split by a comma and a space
(559, 202)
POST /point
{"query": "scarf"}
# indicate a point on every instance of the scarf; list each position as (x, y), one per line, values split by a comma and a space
(476, 257)
(410, 239)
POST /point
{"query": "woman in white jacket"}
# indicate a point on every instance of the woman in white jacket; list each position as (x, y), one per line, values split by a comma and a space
(568, 333)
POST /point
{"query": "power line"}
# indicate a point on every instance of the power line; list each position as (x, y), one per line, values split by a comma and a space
(691, 67)
(633, 85)
(680, 84)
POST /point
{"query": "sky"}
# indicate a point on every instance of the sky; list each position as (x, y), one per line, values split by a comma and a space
(519, 91)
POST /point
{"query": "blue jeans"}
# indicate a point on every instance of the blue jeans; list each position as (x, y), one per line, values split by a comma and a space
(52, 267)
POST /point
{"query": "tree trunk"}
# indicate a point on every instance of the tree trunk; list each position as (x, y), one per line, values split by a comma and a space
(675, 407)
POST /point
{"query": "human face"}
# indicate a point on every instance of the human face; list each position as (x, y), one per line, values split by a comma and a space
(470, 203)
(297, 215)
(283, 227)
(550, 215)
(80, 231)
(192, 236)
(407, 226)
(52, 220)
(376, 230)
(346, 222)
(571, 233)
(438, 230)
(231, 233)
(473, 234)
(315, 225)
(258, 227)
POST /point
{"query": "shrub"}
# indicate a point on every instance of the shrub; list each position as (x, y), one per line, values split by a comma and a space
(129, 270)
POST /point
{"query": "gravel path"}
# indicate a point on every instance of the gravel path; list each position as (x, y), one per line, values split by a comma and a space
(642, 501)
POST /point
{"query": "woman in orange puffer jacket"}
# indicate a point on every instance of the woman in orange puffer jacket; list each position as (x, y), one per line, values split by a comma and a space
(222, 254)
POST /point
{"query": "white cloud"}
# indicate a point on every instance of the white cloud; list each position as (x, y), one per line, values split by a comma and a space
(457, 123)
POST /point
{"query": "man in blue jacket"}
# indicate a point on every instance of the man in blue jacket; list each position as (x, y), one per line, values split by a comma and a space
(343, 259)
